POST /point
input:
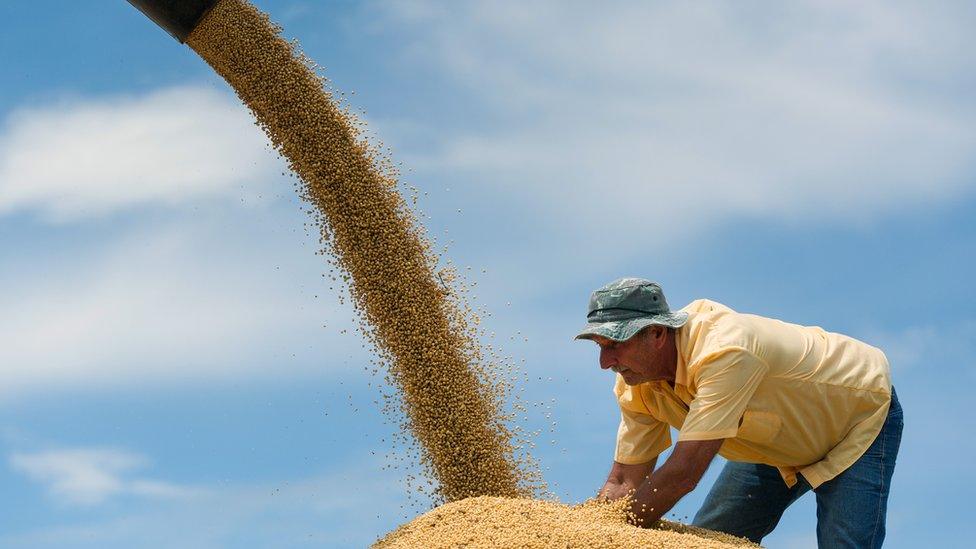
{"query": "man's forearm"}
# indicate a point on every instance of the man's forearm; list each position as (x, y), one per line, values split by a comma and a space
(659, 494)
(678, 476)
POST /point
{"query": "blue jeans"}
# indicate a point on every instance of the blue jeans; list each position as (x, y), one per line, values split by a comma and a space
(748, 499)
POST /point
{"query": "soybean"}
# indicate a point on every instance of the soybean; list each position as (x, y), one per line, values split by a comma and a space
(487, 522)
(451, 398)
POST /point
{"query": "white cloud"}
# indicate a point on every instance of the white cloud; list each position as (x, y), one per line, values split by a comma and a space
(90, 476)
(914, 349)
(187, 301)
(85, 158)
(346, 507)
(686, 115)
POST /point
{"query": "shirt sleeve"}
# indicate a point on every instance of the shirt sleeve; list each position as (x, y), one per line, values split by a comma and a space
(641, 437)
(725, 382)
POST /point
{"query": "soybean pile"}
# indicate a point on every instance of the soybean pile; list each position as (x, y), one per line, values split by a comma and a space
(452, 398)
(535, 524)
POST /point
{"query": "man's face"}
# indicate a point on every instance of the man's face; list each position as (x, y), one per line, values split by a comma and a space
(634, 359)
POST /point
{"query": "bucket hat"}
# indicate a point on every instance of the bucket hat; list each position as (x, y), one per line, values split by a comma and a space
(626, 306)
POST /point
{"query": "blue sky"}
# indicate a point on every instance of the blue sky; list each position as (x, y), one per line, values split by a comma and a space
(174, 371)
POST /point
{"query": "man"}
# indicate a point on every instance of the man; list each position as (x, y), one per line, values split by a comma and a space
(793, 408)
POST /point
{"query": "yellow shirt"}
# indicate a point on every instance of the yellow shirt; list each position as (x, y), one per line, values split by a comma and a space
(795, 397)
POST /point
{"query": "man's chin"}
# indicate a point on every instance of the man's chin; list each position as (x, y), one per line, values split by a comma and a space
(631, 379)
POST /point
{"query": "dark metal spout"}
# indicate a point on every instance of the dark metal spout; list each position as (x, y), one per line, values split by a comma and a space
(177, 17)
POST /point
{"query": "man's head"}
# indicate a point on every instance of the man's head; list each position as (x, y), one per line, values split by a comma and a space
(648, 355)
(631, 321)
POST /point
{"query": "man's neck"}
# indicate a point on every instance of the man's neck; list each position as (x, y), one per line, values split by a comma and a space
(671, 360)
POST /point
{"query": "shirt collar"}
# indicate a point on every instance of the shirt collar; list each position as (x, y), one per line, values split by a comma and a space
(681, 343)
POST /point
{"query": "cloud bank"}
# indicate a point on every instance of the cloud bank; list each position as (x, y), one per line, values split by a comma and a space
(331, 509)
(87, 158)
(183, 302)
(669, 117)
(90, 476)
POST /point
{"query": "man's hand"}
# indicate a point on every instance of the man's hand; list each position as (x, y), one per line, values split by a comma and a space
(625, 479)
(677, 477)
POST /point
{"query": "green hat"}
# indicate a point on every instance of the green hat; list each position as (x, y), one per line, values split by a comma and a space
(626, 306)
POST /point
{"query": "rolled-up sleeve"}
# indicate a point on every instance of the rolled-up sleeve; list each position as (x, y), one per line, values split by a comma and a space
(725, 382)
(640, 438)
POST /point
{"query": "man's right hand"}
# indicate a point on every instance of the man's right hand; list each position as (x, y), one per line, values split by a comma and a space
(625, 479)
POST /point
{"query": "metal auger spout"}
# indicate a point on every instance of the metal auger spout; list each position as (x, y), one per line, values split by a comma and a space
(177, 17)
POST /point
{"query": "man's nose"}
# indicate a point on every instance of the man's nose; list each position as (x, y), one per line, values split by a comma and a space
(606, 359)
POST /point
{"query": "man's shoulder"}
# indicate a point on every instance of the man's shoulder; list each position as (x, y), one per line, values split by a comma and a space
(713, 329)
(700, 306)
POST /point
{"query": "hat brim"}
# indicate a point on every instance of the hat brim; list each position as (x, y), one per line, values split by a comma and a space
(622, 330)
